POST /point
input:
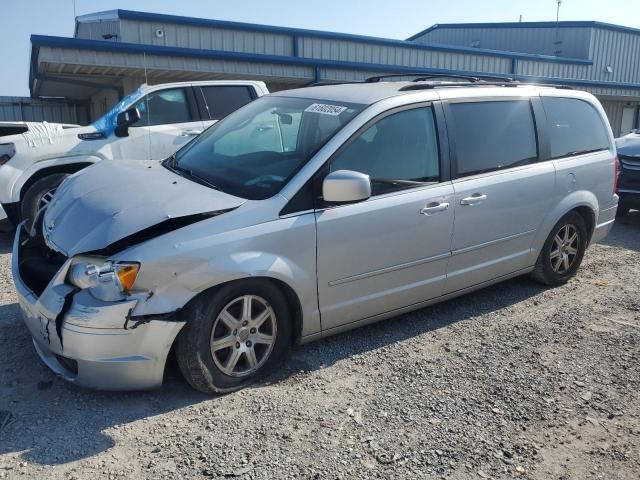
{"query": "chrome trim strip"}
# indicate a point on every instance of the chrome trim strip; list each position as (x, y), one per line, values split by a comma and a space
(491, 242)
(389, 269)
(604, 224)
(417, 306)
(434, 258)
(627, 190)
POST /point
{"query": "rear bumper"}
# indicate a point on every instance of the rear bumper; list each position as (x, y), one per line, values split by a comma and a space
(629, 198)
(606, 218)
(68, 332)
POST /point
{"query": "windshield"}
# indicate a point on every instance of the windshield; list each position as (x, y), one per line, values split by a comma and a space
(254, 151)
(107, 123)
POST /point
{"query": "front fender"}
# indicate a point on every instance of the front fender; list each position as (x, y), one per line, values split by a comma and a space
(21, 178)
(173, 273)
(573, 200)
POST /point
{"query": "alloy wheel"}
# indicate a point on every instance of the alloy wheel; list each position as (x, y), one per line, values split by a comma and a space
(564, 249)
(46, 199)
(243, 336)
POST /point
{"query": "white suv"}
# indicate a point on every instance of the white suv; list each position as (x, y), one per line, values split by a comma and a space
(33, 164)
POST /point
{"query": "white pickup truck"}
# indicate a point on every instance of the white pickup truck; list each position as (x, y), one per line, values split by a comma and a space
(151, 123)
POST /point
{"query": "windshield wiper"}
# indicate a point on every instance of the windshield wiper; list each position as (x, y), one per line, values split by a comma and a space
(188, 173)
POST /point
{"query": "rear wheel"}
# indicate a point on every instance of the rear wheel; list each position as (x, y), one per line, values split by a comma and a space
(233, 337)
(39, 195)
(562, 252)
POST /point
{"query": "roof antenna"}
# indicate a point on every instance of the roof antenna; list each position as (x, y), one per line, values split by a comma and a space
(146, 82)
(520, 18)
(558, 42)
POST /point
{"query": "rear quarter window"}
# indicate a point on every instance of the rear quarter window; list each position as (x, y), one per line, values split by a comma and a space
(493, 135)
(574, 127)
(221, 100)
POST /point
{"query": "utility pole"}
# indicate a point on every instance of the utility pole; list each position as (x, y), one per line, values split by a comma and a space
(558, 43)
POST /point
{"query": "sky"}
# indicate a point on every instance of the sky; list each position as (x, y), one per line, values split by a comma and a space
(396, 19)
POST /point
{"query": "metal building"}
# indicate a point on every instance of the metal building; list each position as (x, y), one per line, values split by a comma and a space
(113, 52)
(36, 110)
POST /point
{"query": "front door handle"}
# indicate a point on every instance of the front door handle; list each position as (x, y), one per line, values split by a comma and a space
(473, 199)
(433, 208)
(191, 133)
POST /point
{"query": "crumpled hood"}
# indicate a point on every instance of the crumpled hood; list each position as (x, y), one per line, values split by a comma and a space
(114, 199)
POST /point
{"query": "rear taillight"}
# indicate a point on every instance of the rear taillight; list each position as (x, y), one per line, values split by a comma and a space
(616, 173)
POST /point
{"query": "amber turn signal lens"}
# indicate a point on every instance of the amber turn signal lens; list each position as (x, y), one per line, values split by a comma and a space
(127, 274)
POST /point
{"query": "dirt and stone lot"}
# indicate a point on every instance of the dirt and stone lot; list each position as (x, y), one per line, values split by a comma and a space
(514, 381)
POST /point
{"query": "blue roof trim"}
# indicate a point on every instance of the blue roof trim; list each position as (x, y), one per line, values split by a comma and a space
(576, 24)
(203, 22)
(38, 41)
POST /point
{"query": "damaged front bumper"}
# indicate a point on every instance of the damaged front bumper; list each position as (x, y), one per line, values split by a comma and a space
(89, 342)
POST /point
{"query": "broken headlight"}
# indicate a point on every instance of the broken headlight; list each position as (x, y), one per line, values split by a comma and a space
(107, 281)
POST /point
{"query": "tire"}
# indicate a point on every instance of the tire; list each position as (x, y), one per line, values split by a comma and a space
(203, 367)
(38, 194)
(551, 267)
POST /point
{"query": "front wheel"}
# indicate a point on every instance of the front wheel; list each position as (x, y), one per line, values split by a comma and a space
(39, 195)
(234, 336)
(562, 252)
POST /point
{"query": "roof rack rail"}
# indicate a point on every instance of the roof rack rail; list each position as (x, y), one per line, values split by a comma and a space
(430, 86)
(430, 76)
(378, 78)
(512, 83)
(472, 78)
(324, 83)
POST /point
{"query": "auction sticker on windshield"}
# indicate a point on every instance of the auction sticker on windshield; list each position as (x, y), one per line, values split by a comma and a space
(334, 110)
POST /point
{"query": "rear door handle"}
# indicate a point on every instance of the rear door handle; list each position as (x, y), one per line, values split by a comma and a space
(473, 199)
(433, 208)
(191, 133)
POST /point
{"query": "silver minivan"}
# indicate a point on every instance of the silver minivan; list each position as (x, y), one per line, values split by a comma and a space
(306, 213)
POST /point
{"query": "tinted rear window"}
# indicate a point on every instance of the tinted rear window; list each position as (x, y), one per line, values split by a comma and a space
(574, 127)
(5, 131)
(220, 101)
(493, 136)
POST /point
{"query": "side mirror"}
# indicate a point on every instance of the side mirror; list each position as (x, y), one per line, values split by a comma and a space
(346, 186)
(124, 120)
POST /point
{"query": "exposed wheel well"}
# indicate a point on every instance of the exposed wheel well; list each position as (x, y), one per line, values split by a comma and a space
(589, 218)
(45, 172)
(292, 300)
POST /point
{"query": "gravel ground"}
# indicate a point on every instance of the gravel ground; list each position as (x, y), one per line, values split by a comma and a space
(514, 381)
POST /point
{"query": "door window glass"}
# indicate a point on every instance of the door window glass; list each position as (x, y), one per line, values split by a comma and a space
(400, 151)
(221, 100)
(575, 127)
(493, 136)
(163, 108)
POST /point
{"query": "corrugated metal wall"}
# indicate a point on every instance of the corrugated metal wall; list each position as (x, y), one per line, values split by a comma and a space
(33, 110)
(191, 36)
(614, 109)
(605, 47)
(98, 30)
(361, 52)
(575, 41)
(620, 51)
